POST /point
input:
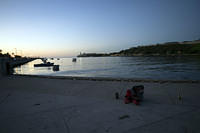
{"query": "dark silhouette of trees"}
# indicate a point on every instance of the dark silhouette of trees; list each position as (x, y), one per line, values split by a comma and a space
(163, 49)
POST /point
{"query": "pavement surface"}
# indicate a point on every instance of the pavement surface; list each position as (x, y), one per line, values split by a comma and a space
(42, 105)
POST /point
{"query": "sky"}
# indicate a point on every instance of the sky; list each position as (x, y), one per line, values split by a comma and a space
(60, 28)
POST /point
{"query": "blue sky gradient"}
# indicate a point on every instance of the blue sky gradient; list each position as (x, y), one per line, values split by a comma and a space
(65, 28)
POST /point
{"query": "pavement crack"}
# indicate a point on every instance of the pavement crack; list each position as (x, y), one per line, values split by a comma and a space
(66, 125)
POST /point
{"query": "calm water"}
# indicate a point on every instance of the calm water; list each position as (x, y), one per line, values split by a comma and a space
(121, 67)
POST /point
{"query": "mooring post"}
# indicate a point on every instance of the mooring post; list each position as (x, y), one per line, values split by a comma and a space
(4, 67)
(179, 96)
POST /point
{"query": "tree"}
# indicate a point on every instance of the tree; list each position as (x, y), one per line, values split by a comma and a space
(1, 53)
(13, 54)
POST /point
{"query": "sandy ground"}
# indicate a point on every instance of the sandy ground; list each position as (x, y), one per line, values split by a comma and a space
(43, 105)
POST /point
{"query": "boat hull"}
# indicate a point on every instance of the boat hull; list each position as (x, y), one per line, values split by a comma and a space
(43, 65)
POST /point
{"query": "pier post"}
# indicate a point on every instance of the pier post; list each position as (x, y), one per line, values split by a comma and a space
(4, 66)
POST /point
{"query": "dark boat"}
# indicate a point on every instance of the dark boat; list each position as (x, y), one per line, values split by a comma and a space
(55, 67)
(47, 64)
(73, 59)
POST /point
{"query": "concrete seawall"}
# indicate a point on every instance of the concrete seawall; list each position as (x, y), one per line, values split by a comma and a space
(7, 64)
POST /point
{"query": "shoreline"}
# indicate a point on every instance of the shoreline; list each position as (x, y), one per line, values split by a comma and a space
(146, 55)
(109, 79)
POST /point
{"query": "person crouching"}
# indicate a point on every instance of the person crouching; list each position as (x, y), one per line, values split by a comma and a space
(135, 95)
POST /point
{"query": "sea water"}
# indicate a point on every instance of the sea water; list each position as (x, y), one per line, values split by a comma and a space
(173, 68)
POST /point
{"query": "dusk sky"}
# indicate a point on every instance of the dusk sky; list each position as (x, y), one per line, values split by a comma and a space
(68, 27)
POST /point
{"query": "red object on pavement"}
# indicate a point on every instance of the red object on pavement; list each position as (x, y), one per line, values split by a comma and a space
(128, 97)
(136, 102)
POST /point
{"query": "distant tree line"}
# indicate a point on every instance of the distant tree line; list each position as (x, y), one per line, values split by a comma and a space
(4, 55)
(163, 49)
(169, 48)
(8, 55)
(93, 55)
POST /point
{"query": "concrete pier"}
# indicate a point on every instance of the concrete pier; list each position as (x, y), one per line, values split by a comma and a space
(3, 66)
(7, 64)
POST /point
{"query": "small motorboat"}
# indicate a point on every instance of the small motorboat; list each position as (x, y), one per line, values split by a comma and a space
(73, 59)
(46, 64)
(55, 67)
